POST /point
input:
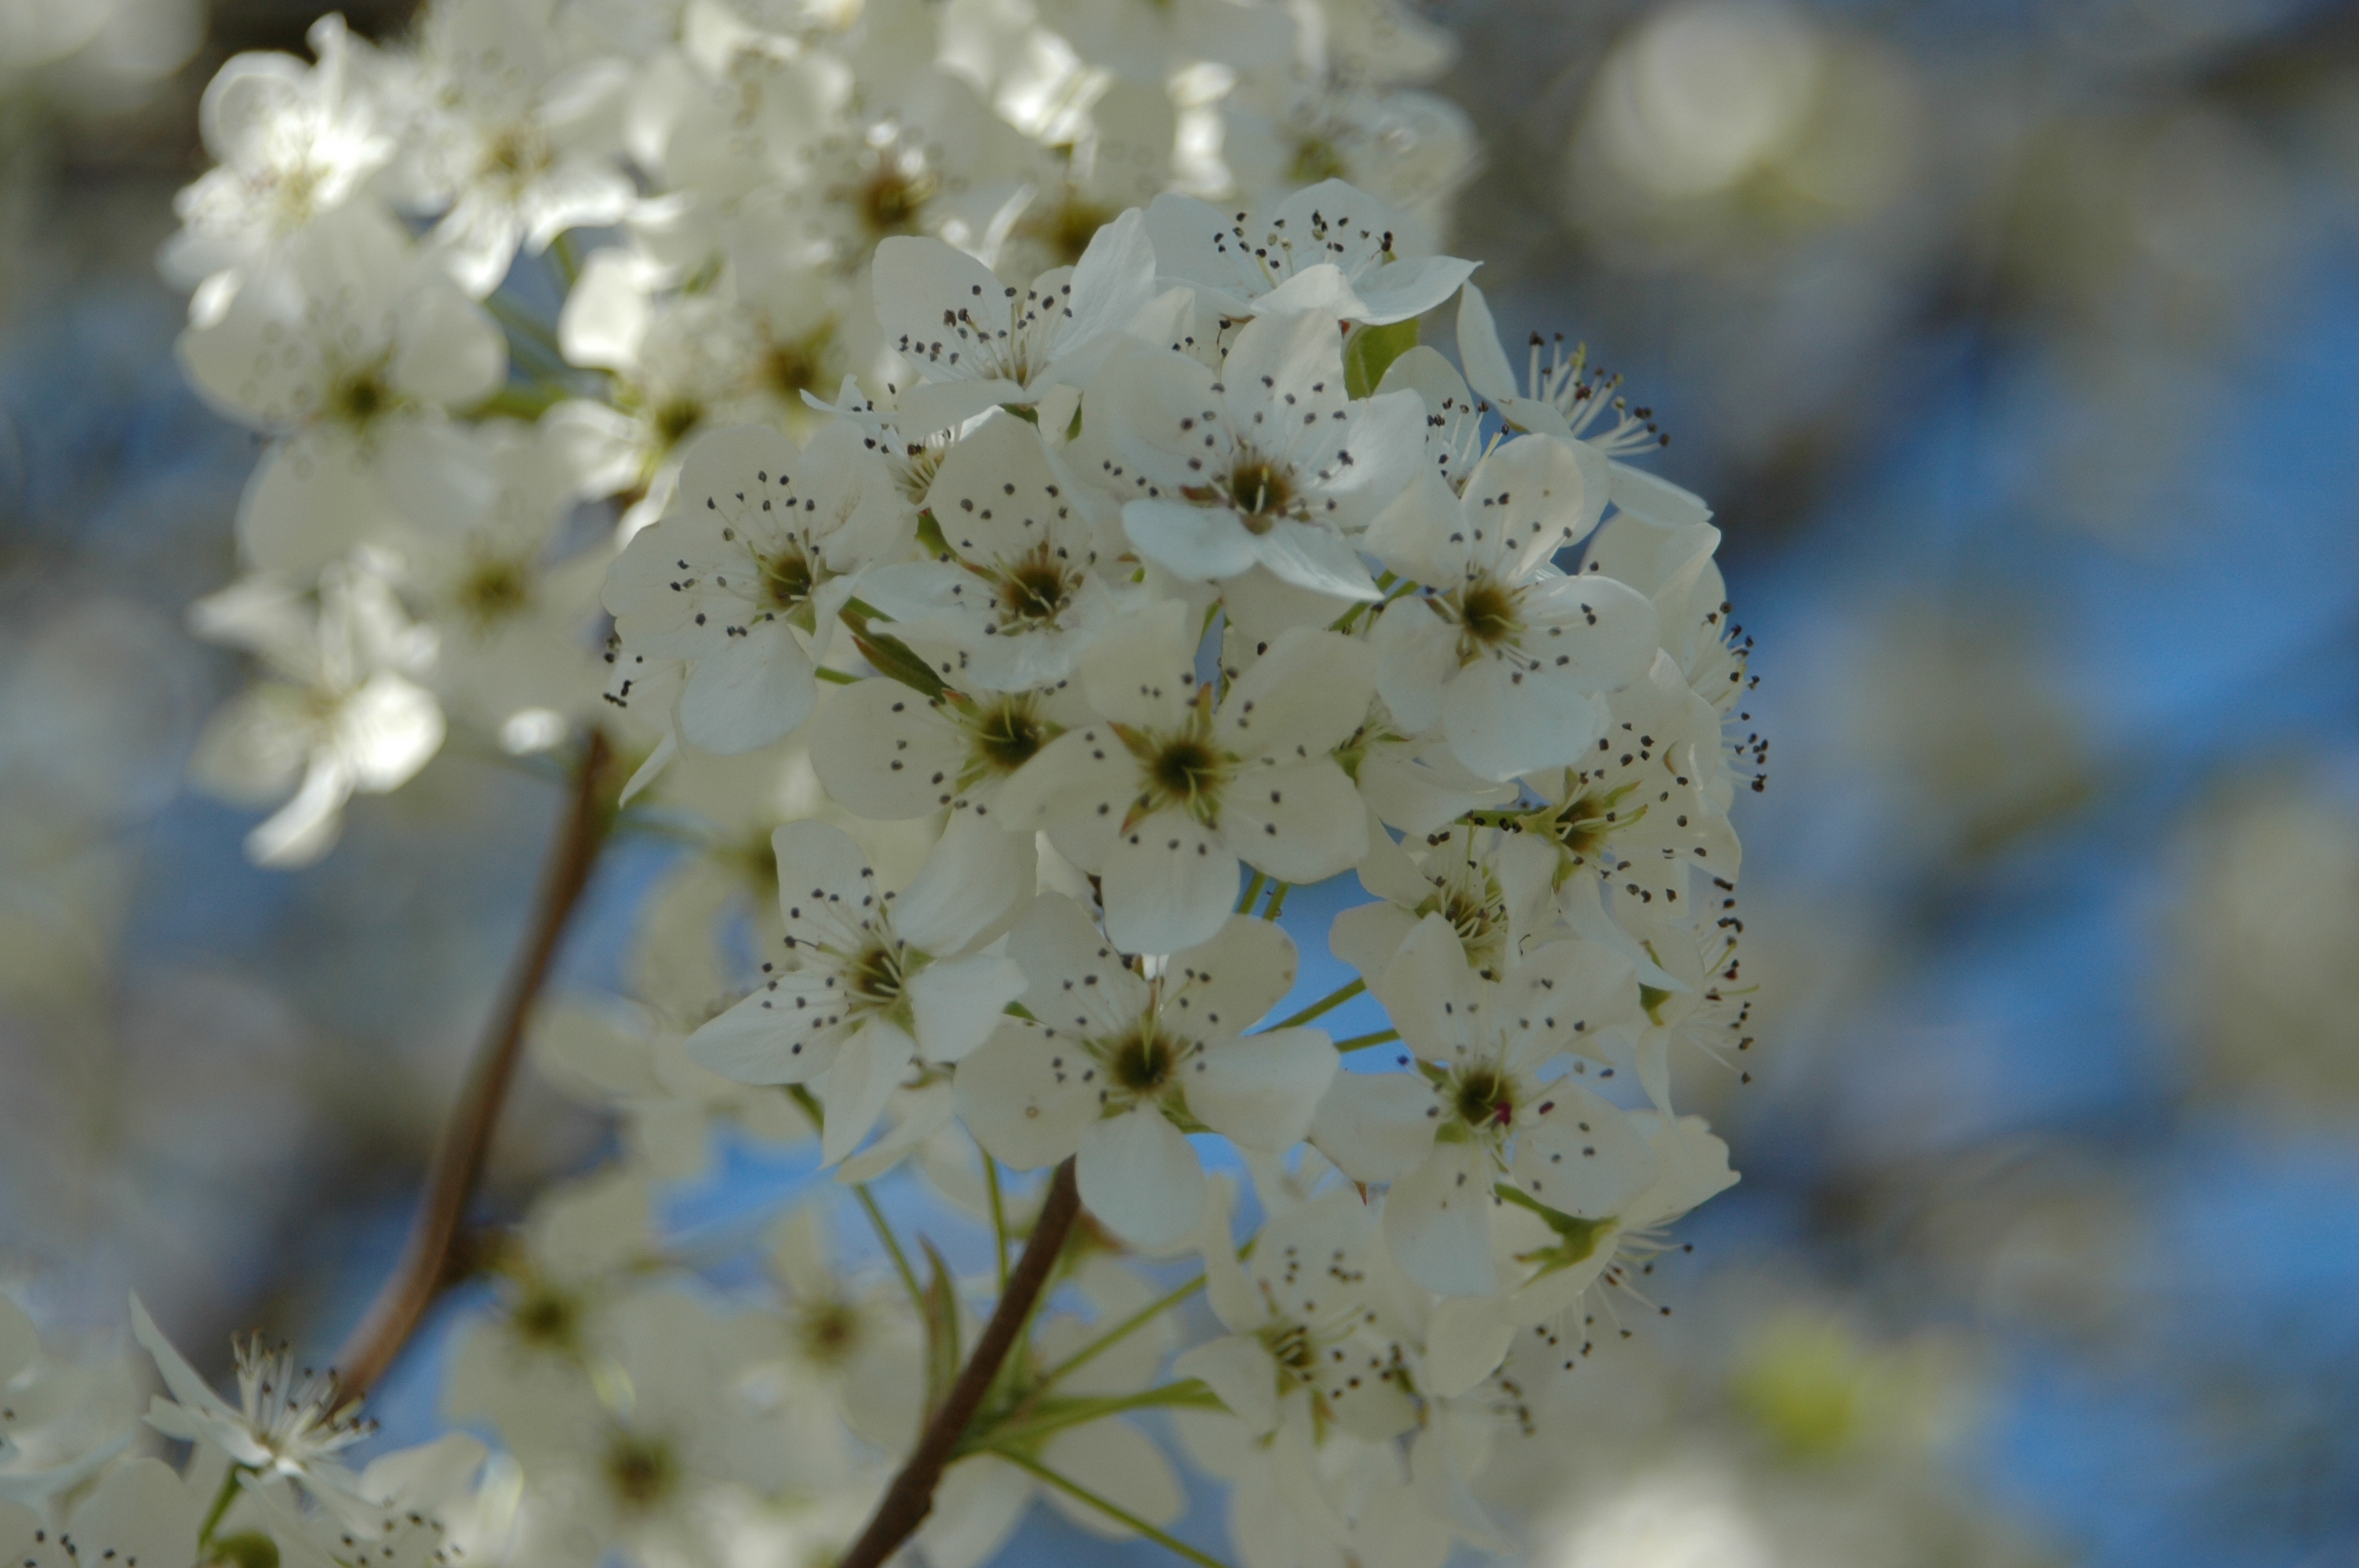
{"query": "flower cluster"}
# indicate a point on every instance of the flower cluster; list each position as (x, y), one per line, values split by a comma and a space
(1023, 572)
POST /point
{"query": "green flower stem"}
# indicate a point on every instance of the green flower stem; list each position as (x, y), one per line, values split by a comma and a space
(1038, 1421)
(998, 1215)
(1112, 1510)
(1277, 899)
(1253, 891)
(1121, 1330)
(1326, 1003)
(892, 1245)
(222, 1500)
(1361, 1042)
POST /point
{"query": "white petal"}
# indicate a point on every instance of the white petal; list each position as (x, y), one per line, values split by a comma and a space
(976, 878)
(1656, 501)
(1199, 544)
(1487, 371)
(917, 278)
(1226, 985)
(387, 731)
(1417, 659)
(1121, 1463)
(959, 1001)
(883, 753)
(448, 351)
(1601, 633)
(1410, 286)
(1437, 1221)
(1581, 1155)
(1237, 1367)
(1376, 1127)
(785, 1033)
(1077, 982)
(750, 692)
(1261, 1092)
(1140, 1175)
(1303, 823)
(1169, 883)
(1413, 536)
(1146, 676)
(1028, 1099)
(866, 1071)
(1465, 1340)
(980, 1501)
(1503, 722)
(1305, 697)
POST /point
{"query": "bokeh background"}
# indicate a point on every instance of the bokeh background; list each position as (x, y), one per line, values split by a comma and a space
(2016, 344)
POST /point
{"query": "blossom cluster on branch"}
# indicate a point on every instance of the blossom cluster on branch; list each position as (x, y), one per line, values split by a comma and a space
(1018, 572)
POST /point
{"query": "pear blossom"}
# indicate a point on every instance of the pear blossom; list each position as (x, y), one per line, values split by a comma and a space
(741, 580)
(1329, 249)
(350, 352)
(336, 714)
(866, 985)
(1118, 1066)
(1509, 652)
(287, 1422)
(289, 142)
(1267, 463)
(1018, 592)
(1499, 1120)
(1167, 791)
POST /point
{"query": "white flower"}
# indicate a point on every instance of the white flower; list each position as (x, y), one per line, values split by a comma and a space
(1638, 810)
(1268, 464)
(512, 140)
(1504, 651)
(1017, 593)
(742, 577)
(1490, 886)
(1499, 1122)
(1328, 250)
(289, 142)
(984, 342)
(333, 711)
(1309, 1316)
(287, 1422)
(1562, 396)
(1166, 792)
(1116, 1064)
(350, 352)
(867, 984)
(141, 1513)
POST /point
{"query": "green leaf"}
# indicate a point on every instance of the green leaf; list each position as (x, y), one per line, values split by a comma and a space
(942, 1327)
(1371, 353)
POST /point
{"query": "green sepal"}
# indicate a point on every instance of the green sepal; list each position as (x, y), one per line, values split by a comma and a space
(1371, 352)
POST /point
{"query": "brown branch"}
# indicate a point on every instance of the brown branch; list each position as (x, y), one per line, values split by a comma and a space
(427, 1260)
(910, 1497)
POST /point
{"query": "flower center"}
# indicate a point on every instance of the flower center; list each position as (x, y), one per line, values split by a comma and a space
(829, 1333)
(360, 397)
(546, 1318)
(495, 591)
(1007, 733)
(891, 199)
(1187, 771)
(790, 370)
(1034, 589)
(642, 1470)
(1068, 232)
(787, 576)
(875, 976)
(1143, 1063)
(1261, 489)
(1486, 613)
(675, 417)
(1485, 1099)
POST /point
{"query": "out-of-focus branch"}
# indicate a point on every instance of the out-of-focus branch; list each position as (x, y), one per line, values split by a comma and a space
(465, 1146)
(910, 1497)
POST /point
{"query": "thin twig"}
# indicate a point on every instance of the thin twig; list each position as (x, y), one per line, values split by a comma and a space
(459, 1159)
(910, 1497)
